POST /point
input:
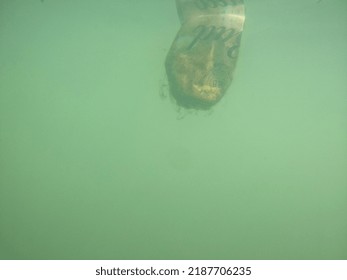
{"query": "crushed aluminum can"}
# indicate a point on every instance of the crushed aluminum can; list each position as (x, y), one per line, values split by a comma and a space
(202, 58)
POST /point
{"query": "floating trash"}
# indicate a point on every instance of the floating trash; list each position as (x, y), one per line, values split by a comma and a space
(202, 58)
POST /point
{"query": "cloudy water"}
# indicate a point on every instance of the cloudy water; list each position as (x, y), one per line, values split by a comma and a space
(98, 162)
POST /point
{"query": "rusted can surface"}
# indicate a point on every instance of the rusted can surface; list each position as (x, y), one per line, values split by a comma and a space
(202, 58)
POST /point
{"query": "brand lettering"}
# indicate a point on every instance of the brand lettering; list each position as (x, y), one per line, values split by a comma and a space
(212, 4)
(204, 33)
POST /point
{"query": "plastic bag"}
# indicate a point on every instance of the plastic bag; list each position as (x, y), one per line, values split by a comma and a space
(202, 58)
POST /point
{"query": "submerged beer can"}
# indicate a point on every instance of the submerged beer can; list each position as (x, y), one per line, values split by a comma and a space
(202, 58)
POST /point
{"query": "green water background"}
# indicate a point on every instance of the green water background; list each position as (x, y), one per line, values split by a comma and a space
(95, 164)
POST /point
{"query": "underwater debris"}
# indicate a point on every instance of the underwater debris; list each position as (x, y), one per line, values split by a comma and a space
(202, 58)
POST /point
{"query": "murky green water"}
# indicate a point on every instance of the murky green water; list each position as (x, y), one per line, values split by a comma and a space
(94, 164)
